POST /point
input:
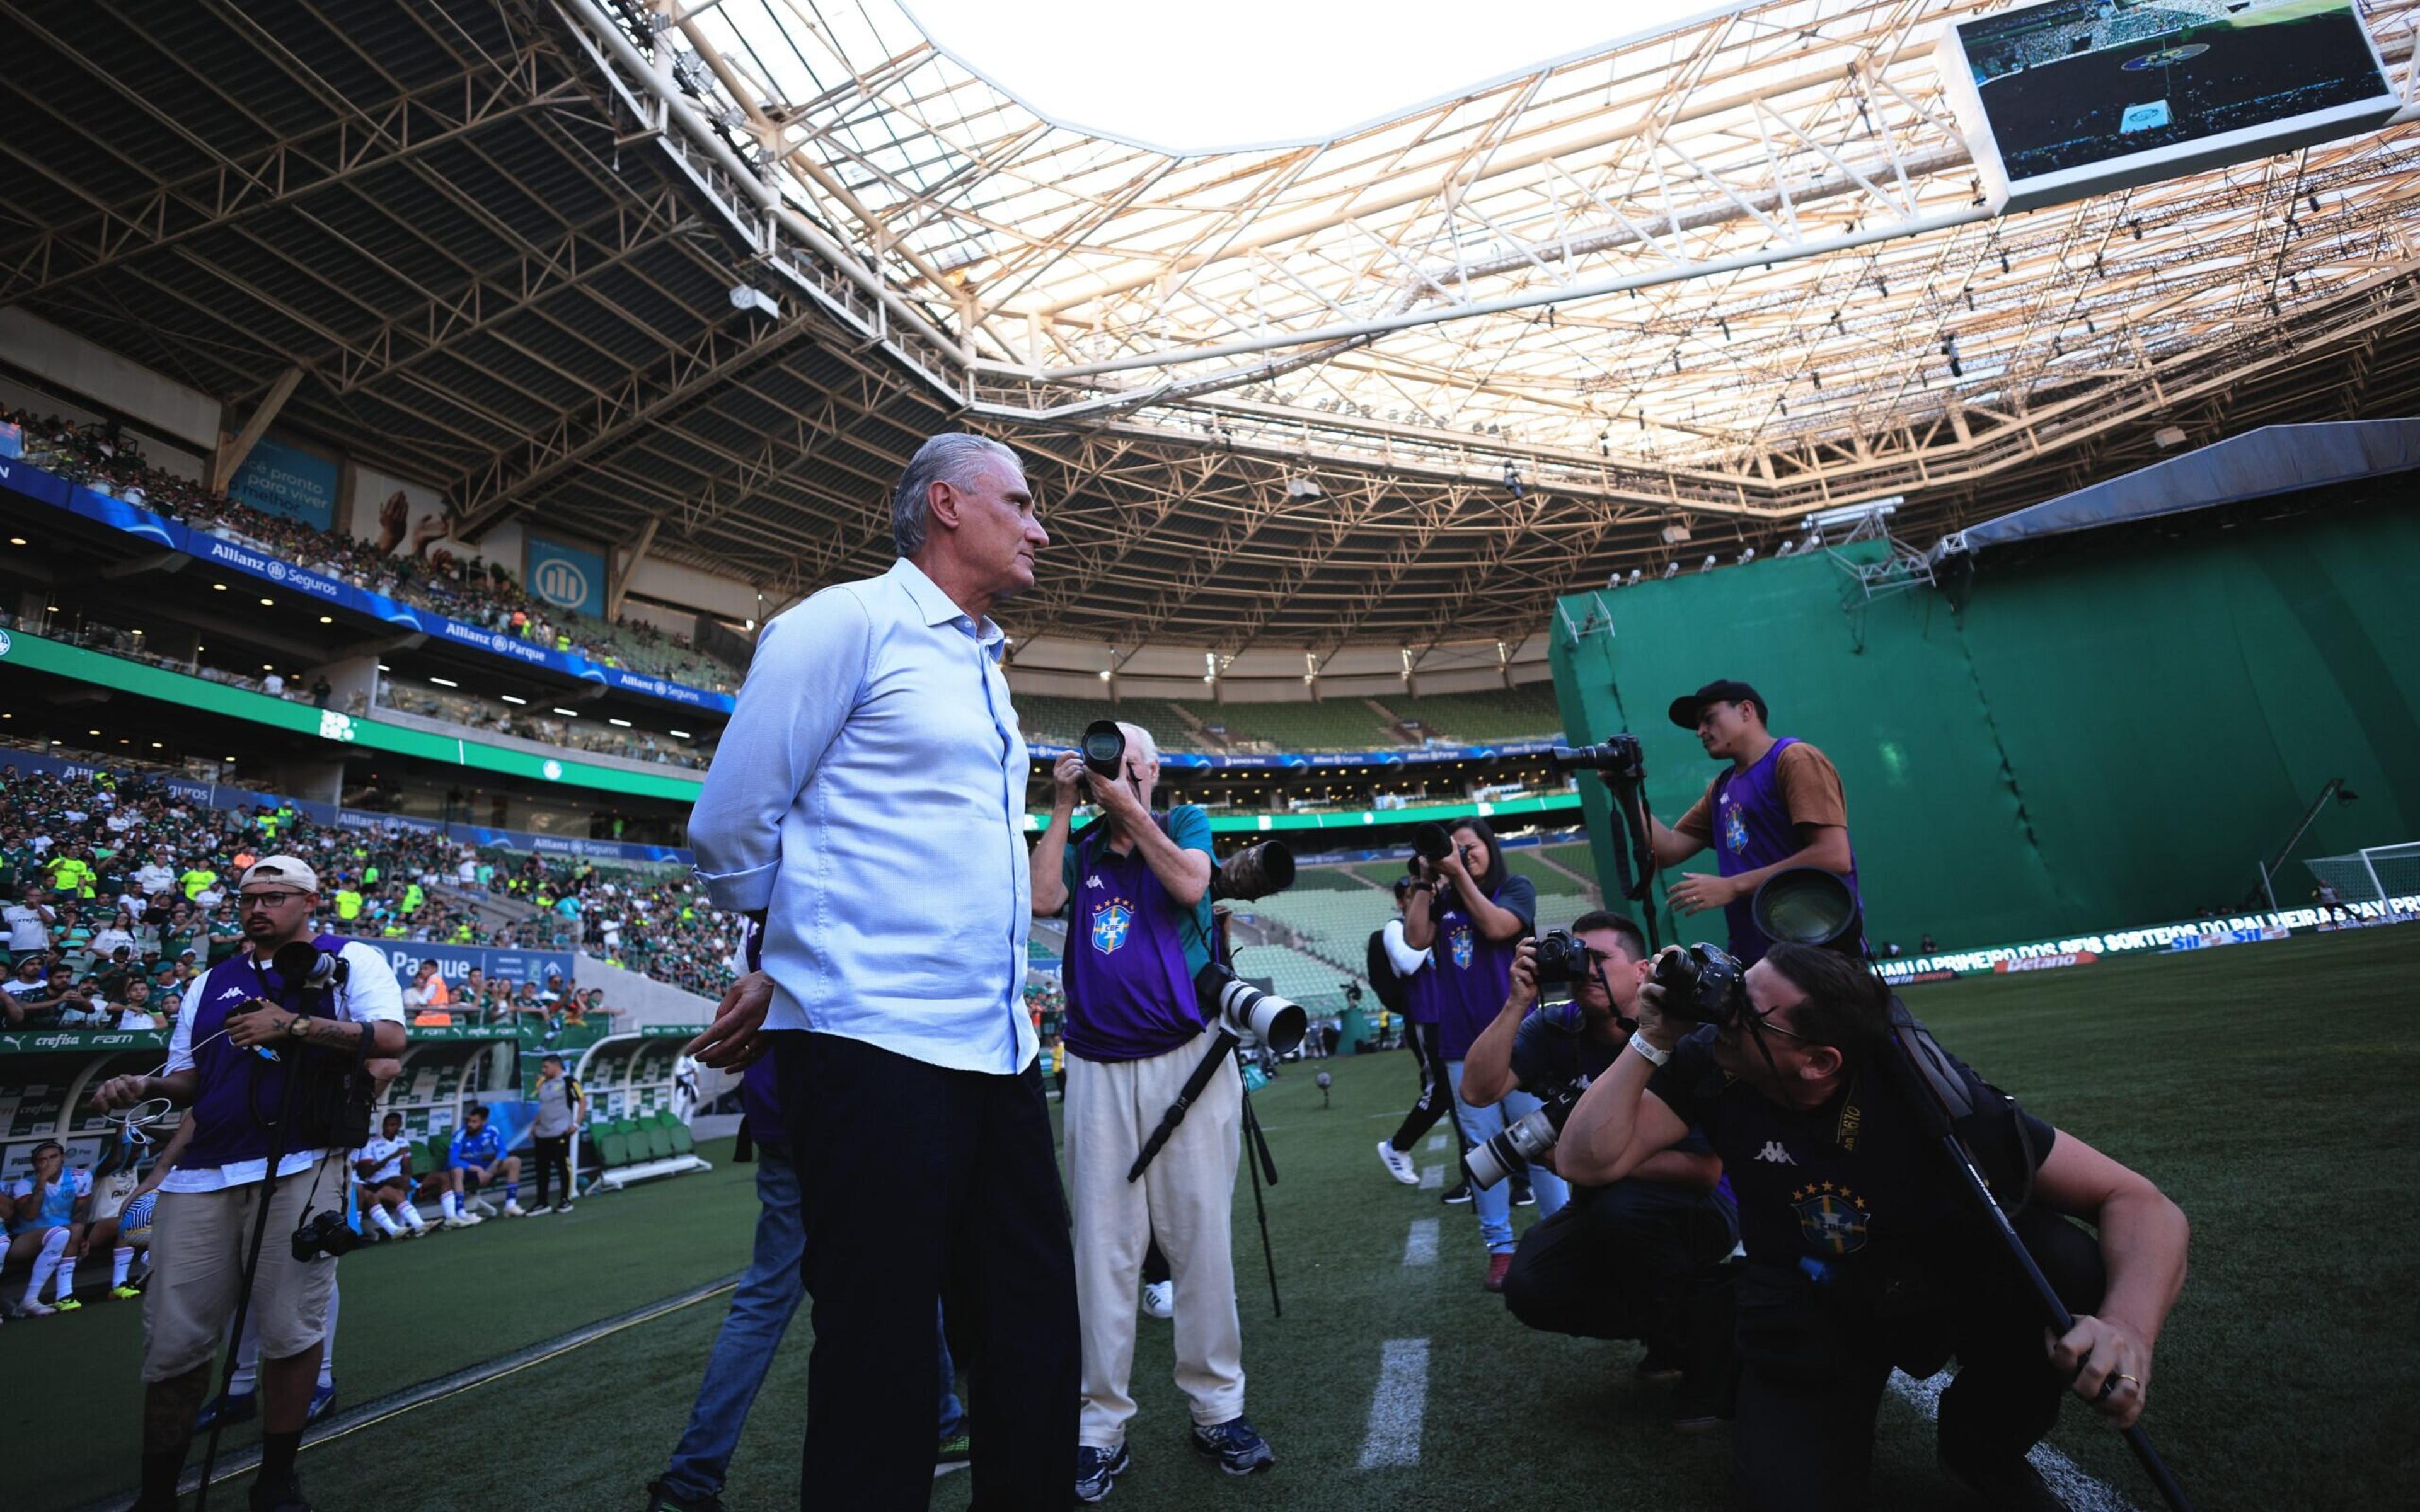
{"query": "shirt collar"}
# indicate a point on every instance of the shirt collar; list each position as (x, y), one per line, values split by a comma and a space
(939, 609)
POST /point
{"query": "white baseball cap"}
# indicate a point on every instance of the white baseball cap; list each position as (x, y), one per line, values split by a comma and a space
(288, 871)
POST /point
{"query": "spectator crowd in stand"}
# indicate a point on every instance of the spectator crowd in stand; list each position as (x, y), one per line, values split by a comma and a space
(118, 892)
(417, 572)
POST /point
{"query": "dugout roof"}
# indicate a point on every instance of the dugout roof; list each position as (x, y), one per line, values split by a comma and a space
(1703, 279)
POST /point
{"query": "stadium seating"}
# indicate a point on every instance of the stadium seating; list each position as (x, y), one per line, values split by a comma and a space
(1337, 724)
(1525, 713)
(1316, 984)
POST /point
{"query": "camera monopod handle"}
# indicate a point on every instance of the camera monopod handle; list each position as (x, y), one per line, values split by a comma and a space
(1918, 1091)
(1224, 1046)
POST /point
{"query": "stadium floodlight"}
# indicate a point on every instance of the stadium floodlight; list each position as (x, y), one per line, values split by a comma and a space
(1303, 487)
(1854, 515)
(1747, 556)
(1786, 547)
(747, 298)
(2168, 438)
(568, 713)
(1634, 576)
(1671, 570)
(1707, 566)
(1675, 534)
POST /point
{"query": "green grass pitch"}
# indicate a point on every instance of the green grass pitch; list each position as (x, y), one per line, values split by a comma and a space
(2270, 1088)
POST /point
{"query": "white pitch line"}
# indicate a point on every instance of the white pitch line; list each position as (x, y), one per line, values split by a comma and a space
(2080, 1490)
(1419, 1245)
(1437, 1142)
(1398, 1406)
(1432, 1177)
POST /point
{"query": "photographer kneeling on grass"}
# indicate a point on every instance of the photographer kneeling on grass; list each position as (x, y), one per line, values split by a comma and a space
(1620, 1260)
(1862, 1250)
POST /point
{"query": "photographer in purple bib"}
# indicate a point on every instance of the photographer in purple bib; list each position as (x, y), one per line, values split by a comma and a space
(1471, 914)
(1136, 889)
(270, 1059)
(1779, 805)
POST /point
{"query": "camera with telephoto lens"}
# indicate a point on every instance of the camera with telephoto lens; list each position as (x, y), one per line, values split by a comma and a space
(1245, 1010)
(1619, 760)
(1103, 749)
(1526, 1139)
(1561, 960)
(304, 967)
(1254, 871)
(1430, 844)
(1703, 984)
(325, 1233)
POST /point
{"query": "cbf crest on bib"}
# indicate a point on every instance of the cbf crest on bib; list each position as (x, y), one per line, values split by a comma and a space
(1734, 828)
(1112, 922)
(1831, 1216)
(1458, 941)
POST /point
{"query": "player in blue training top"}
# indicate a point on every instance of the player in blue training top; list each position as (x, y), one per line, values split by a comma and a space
(476, 1159)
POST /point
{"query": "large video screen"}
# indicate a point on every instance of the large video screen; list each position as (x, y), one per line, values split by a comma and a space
(2078, 97)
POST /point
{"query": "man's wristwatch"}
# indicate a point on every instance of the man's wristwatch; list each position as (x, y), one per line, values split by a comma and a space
(298, 1026)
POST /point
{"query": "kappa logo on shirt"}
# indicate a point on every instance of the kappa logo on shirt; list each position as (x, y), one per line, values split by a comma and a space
(1774, 1153)
(232, 992)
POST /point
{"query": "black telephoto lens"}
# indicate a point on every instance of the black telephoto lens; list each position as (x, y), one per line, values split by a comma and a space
(1254, 871)
(1430, 841)
(1104, 748)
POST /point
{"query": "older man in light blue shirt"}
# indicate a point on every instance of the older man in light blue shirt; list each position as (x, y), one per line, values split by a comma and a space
(866, 807)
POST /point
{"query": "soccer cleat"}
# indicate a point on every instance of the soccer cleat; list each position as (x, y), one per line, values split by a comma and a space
(1497, 1266)
(662, 1498)
(69, 1304)
(35, 1310)
(513, 1208)
(1399, 1164)
(1461, 1193)
(1097, 1469)
(239, 1407)
(1522, 1196)
(468, 1219)
(125, 1293)
(324, 1396)
(1236, 1445)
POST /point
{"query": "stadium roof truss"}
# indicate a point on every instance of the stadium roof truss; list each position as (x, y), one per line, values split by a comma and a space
(1718, 277)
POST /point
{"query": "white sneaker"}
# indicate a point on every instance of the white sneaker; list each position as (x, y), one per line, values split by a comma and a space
(513, 1208)
(1159, 1299)
(1399, 1164)
(35, 1310)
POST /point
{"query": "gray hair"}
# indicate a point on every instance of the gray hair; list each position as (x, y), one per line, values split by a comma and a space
(953, 457)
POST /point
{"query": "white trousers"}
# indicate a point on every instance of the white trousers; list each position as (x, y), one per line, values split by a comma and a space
(1187, 1198)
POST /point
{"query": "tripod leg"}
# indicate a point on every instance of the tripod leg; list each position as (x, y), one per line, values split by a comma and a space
(1261, 1147)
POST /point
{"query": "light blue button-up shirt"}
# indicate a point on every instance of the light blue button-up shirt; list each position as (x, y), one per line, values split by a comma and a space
(869, 794)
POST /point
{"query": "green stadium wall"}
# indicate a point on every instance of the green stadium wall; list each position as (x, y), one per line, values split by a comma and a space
(2116, 733)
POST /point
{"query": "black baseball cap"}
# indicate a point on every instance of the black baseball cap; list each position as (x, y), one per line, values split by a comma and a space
(1686, 708)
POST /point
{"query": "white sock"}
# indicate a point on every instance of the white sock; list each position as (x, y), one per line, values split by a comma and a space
(54, 1245)
(409, 1212)
(67, 1278)
(385, 1221)
(450, 1204)
(122, 1260)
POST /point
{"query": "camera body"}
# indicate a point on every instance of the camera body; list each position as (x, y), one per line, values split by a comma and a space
(1430, 844)
(1526, 1139)
(1703, 984)
(325, 1233)
(1245, 1011)
(1618, 760)
(1561, 960)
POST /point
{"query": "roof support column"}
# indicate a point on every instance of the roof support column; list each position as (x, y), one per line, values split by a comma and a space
(234, 448)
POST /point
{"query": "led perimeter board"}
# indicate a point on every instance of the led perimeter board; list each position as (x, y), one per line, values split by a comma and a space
(2079, 97)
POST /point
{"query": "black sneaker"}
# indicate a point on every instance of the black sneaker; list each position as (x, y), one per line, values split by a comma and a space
(1522, 1196)
(1236, 1445)
(1097, 1469)
(1460, 1193)
(660, 1498)
(2010, 1485)
(286, 1498)
(237, 1406)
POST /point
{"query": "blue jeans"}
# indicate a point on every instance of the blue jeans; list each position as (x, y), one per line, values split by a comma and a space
(1495, 1205)
(761, 1307)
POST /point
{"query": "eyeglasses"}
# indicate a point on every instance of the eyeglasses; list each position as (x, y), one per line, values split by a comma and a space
(268, 900)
